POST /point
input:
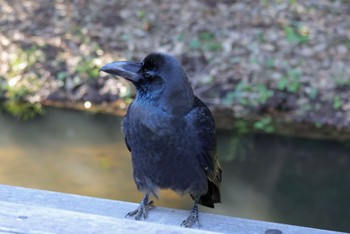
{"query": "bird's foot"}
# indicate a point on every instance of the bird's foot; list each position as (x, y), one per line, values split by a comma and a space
(141, 210)
(192, 218)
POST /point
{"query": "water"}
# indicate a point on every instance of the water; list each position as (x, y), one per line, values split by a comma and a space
(266, 177)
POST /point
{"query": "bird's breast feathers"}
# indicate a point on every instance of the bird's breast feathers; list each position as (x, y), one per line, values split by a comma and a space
(153, 119)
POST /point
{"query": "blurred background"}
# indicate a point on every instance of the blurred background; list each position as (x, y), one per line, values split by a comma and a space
(275, 73)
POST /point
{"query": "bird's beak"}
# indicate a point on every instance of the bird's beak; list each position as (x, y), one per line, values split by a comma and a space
(125, 69)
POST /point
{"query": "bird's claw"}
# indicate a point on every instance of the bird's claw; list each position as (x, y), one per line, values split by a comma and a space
(141, 210)
(191, 219)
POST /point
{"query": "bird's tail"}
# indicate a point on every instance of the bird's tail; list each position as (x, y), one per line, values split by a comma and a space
(211, 197)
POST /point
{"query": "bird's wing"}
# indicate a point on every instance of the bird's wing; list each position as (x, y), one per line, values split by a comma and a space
(126, 143)
(202, 120)
(125, 126)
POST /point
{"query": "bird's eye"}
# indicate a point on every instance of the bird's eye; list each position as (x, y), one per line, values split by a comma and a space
(147, 74)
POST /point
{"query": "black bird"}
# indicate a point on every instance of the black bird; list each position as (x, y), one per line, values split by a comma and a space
(170, 133)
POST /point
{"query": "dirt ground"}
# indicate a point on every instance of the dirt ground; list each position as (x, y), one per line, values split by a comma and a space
(272, 61)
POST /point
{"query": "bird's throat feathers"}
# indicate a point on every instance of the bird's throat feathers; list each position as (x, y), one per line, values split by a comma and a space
(173, 99)
(178, 101)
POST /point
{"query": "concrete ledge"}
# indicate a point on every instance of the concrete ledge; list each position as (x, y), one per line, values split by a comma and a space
(24, 210)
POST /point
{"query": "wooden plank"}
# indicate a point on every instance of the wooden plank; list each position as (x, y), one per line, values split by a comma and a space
(24, 210)
(21, 218)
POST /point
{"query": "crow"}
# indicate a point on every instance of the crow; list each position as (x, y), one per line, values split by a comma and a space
(170, 133)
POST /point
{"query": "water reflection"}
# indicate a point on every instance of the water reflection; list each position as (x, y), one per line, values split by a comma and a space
(295, 181)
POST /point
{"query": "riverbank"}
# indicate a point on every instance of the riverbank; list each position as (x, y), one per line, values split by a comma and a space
(272, 66)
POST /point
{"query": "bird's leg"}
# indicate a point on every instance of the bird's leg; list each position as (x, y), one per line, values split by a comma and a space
(193, 217)
(142, 209)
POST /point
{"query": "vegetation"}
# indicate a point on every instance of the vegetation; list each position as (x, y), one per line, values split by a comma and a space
(271, 58)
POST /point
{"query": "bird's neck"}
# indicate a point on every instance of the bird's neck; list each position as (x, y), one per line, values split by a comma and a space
(177, 103)
(173, 103)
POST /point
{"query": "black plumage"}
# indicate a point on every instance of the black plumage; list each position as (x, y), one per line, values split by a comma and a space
(170, 132)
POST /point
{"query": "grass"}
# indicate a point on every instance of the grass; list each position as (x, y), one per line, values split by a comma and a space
(248, 95)
(291, 81)
(296, 34)
(23, 110)
(337, 103)
(205, 41)
(265, 125)
(86, 68)
(20, 82)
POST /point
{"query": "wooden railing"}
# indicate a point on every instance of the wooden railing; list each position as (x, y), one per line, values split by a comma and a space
(24, 210)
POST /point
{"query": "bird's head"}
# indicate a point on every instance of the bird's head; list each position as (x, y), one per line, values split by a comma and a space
(159, 79)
